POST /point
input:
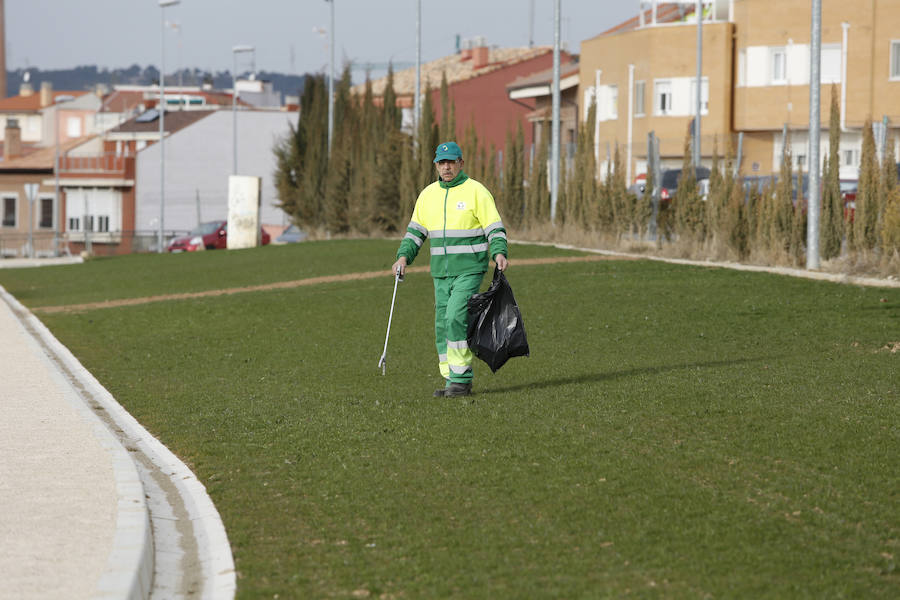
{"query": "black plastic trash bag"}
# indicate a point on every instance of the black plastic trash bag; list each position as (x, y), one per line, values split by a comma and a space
(496, 332)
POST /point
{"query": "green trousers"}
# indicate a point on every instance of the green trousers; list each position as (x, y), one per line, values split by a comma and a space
(451, 318)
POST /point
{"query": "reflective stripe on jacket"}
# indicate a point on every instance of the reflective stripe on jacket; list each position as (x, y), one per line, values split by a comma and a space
(463, 225)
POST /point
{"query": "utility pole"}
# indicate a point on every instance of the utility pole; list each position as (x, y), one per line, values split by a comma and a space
(812, 224)
(331, 78)
(554, 166)
(696, 155)
(417, 110)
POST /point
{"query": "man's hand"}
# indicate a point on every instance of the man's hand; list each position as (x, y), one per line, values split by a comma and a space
(501, 261)
(399, 267)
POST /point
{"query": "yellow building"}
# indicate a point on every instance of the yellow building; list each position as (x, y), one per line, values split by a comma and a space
(755, 79)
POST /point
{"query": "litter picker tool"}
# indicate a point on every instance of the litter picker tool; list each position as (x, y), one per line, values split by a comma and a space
(398, 277)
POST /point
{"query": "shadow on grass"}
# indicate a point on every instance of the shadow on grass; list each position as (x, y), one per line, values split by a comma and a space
(611, 375)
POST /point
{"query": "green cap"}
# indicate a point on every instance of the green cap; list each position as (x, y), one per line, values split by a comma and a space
(447, 151)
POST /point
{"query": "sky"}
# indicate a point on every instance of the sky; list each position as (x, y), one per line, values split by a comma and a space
(289, 36)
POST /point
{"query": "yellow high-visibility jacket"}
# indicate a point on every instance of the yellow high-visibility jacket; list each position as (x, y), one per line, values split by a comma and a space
(463, 225)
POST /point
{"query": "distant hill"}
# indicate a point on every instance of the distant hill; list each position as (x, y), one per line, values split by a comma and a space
(87, 77)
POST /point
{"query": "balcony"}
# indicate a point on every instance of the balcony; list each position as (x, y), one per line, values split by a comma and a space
(106, 165)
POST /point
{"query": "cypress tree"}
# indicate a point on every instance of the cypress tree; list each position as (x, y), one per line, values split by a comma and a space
(337, 188)
(537, 196)
(890, 226)
(887, 182)
(717, 197)
(798, 223)
(427, 142)
(643, 208)
(314, 161)
(392, 114)
(583, 179)
(338, 212)
(737, 219)
(618, 194)
(408, 185)
(589, 170)
(831, 233)
(781, 215)
(605, 213)
(287, 166)
(689, 221)
(866, 216)
(513, 196)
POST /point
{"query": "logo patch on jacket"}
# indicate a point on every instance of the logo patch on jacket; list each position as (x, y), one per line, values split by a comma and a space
(460, 205)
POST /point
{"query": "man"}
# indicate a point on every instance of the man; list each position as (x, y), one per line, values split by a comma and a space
(460, 217)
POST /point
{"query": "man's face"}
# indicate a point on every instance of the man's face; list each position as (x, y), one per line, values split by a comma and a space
(449, 169)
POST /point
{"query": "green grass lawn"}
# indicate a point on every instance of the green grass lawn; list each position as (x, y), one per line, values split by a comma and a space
(677, 432)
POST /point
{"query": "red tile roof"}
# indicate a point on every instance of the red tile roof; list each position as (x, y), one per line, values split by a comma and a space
(32, 102)
(456, 68)
(39, 157)
(120, 101)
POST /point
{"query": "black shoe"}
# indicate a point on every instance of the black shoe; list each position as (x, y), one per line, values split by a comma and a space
(458, 389)
(440, 393)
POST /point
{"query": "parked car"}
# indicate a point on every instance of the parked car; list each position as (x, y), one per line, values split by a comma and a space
(670, 179)
(848, 196)
(290, 235)
(208, 236)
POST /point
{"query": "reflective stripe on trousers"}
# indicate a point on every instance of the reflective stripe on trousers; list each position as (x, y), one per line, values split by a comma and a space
(451, 318)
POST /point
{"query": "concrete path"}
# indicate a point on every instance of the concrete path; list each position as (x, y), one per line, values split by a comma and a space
(92, 505)
(58, 478)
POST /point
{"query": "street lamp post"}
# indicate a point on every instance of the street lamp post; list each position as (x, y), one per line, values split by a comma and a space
(331, 78)
(162, 122)
(235, 50)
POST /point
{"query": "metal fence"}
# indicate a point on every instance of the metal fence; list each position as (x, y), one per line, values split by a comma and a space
(43, 244)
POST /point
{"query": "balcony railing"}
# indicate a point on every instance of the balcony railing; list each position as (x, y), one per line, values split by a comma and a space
(108, 163)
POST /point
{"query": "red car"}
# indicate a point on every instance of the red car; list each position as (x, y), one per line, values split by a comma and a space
(208, 236)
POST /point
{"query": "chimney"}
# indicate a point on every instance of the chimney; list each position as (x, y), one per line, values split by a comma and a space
(12, 141)
(46, 93)
(25, 89)
(465, 52)
(480, 57)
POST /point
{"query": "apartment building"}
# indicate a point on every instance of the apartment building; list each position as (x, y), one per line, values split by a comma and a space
(755, 79)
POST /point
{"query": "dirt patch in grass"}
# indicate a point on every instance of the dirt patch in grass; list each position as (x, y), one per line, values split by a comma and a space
(72, 308)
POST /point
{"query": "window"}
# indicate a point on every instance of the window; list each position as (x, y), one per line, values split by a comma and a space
(778, 65)
(74, 224)
(613, 102)
(639, 87)
(895, 59)
(9, 211)
(662, 97)
(73, 127)
(850, 158)
(742, 68)
(831, 63)
(704, 96)
(103, 223)
(46, 213)
(800, 161)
